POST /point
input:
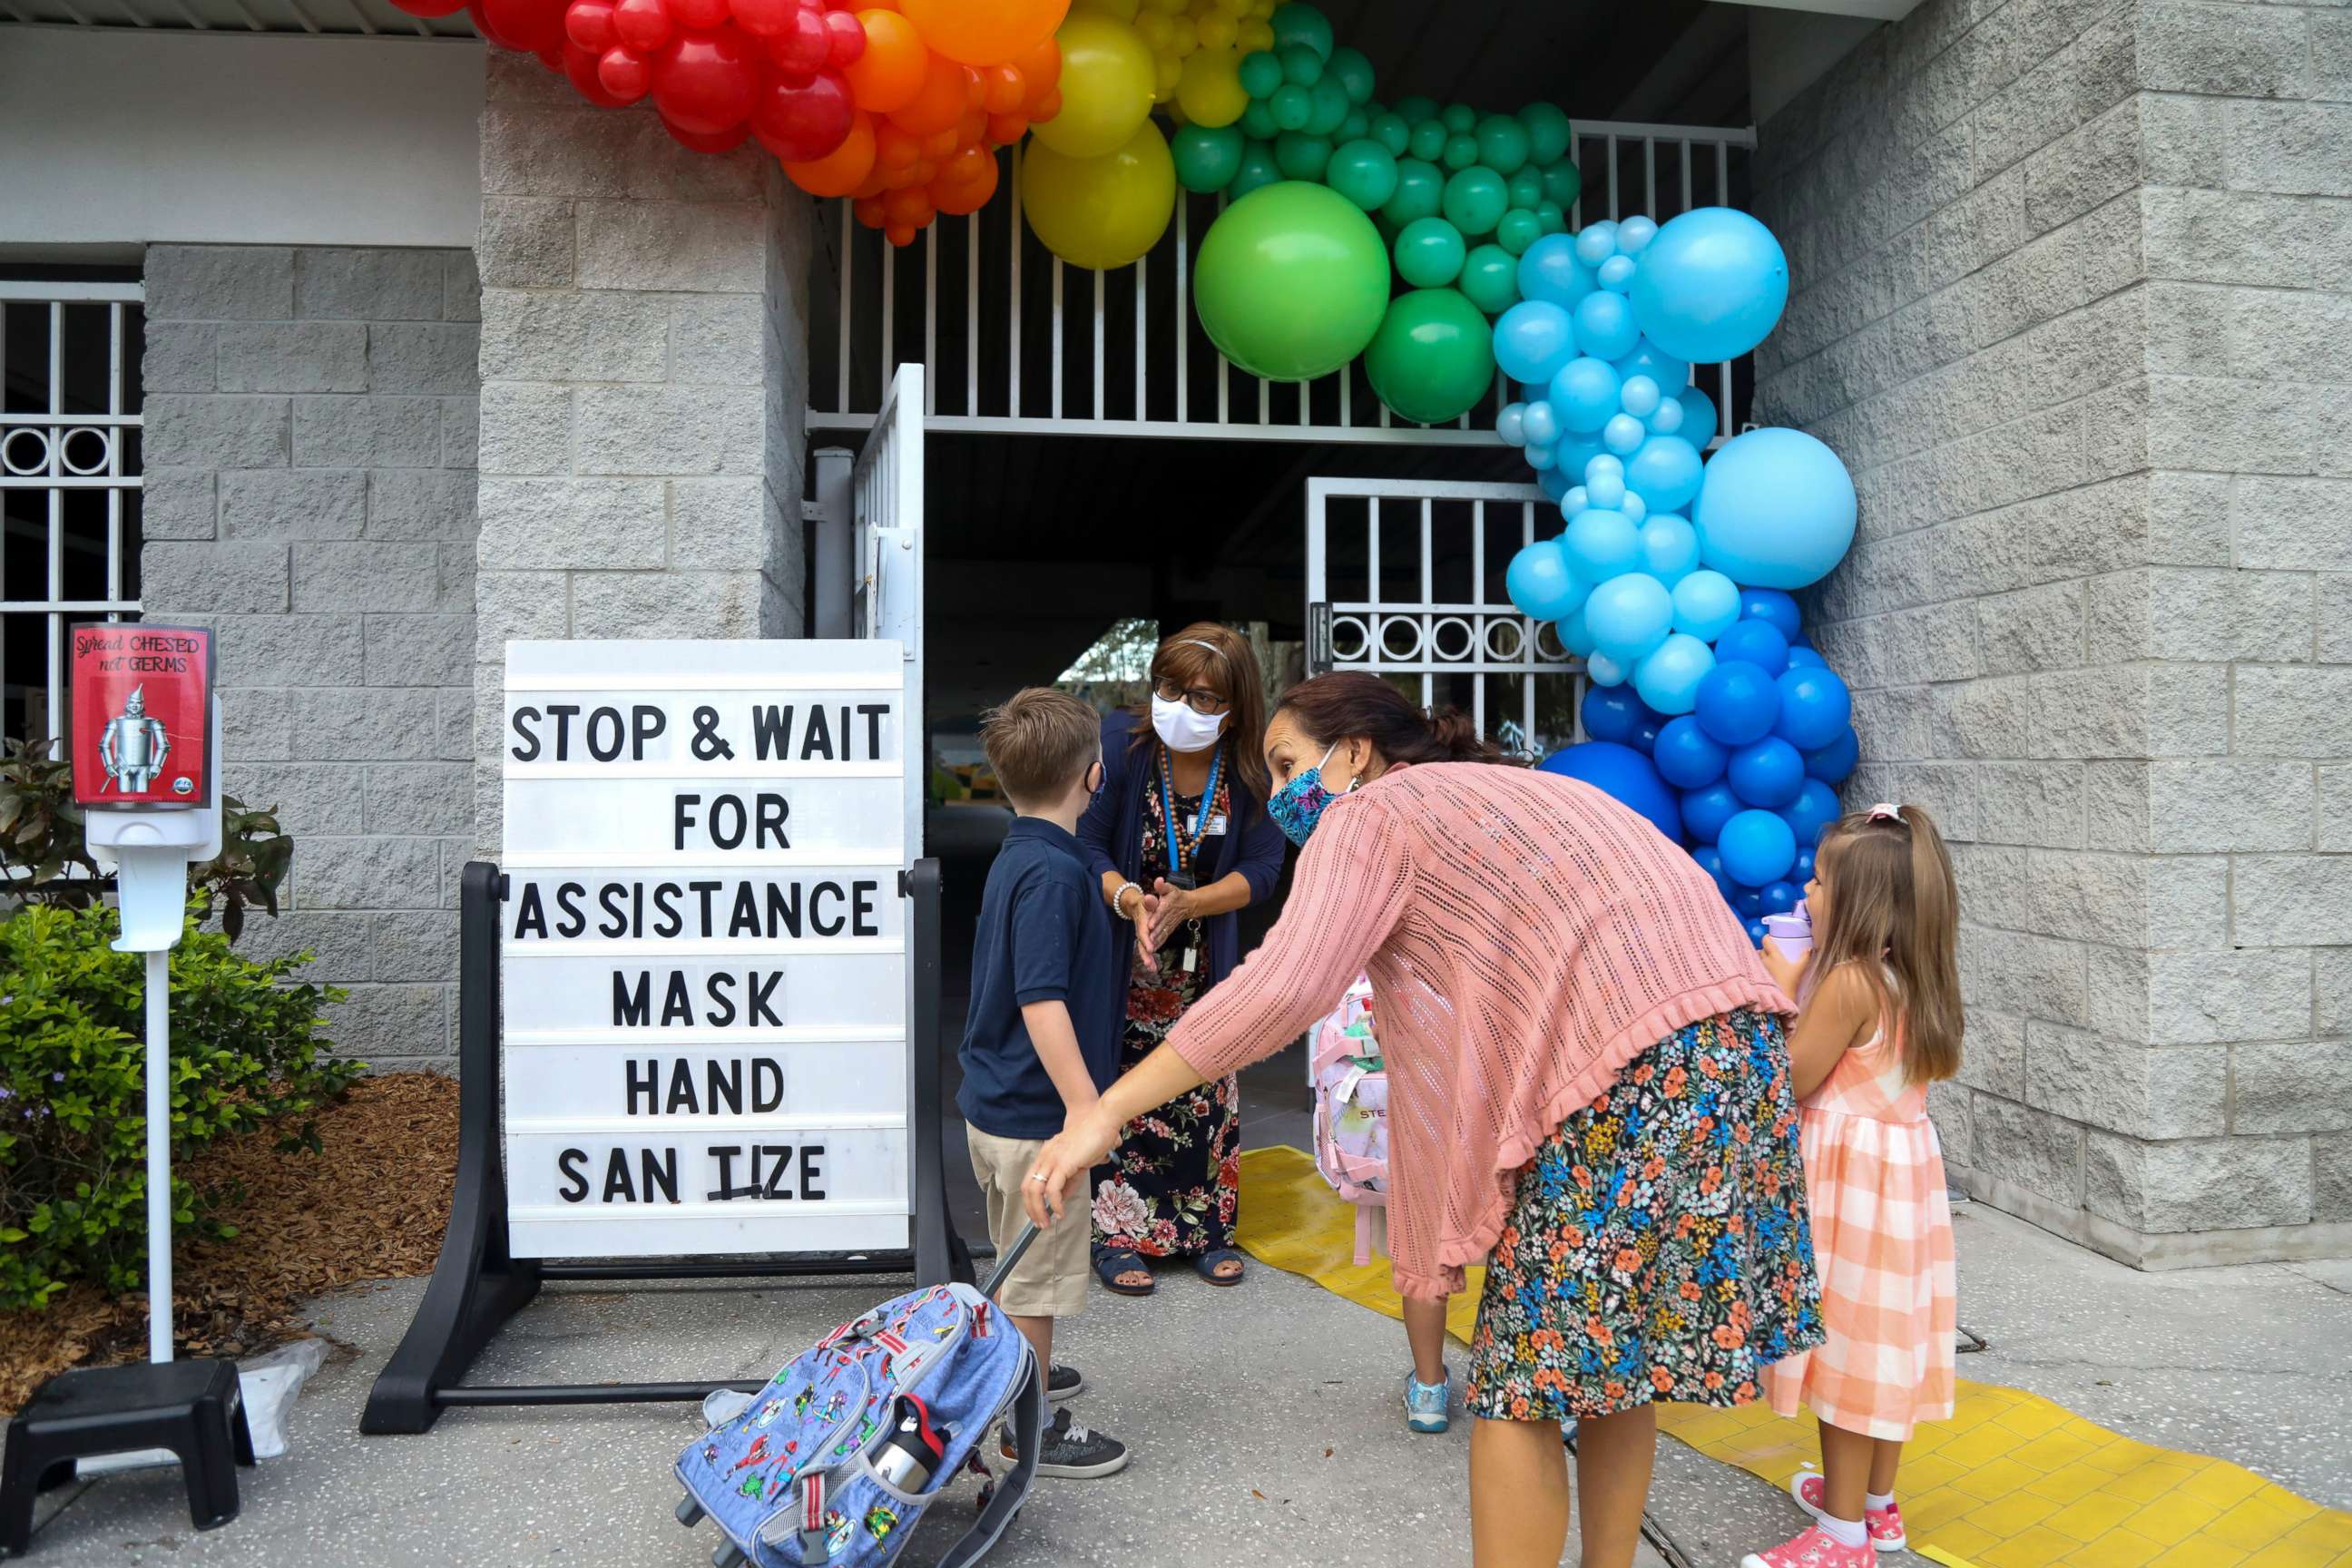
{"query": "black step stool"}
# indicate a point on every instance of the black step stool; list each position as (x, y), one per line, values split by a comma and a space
(191, 1407)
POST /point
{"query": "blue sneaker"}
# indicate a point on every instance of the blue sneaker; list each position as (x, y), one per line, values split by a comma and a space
(1425, 1402)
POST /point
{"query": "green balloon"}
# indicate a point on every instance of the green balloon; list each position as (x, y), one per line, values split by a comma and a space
(1355, 73)
(1527, 188)
(1261, 72)
(1429, 253)
(1518, 229)
(1391, 132)
(1548, 132)
(1300, 24)
(1291, 281)
(1413, 110)
(1293, 106)
(1461, 151)
(1354, 127)
(1433, 356)
(1257, 121)
(1300, 64)
(1301, 156)
(1476, 200)
(1502, 143)
(1490, 279)
(1362, 171)
(1428, 140)
(1257, 170)
(1459, 118)
(1554, 220)
(1563, 185)
(1207, 157)
(1420, 192)
(1331, 108)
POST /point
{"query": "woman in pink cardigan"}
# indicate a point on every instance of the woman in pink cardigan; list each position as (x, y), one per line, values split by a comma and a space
(1587, 1079)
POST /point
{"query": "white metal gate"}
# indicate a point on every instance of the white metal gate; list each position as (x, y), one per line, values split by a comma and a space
(886, 509)
(1405, 580)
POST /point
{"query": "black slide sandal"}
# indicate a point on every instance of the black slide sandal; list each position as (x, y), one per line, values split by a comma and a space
(1206, 1267)
(1110, 1262)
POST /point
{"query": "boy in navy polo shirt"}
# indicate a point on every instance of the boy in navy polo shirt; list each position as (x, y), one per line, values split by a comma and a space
(1042, 1039)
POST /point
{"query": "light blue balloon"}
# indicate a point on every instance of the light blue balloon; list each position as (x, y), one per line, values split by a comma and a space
(1574, 635)
(1710, 284)
(1554, 481)
(1596, 242)
(1584, 393)
(1604, 325)
(1510, 424)
(1540, 581)
(1575, 453)
(1705, 605)
(1664, 471)
(1615, 273)
(1668, 678)
(1541, 458)
(1540, 423)
(1638, 396)
(1634, 508)
(1623, 434)
(1629, 616)
(1549, 271)
(1607, 489)
(1699, 417)
(1669, 548)
(1777, 510)
(1602, 544)
(1533, 338)
(1605, 463)
(1647, 359)
(1666, 419)
(1633, 235)
(1575, 501)
(1604, 670)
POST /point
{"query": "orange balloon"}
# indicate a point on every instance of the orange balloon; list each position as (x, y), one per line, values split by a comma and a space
(893, 148)
(985, 32)
(893, 69)
(971, 127)
(910, 206)
(845, 169)
(1040, 69)
(869, 212)
(961, 196)
(1001, 89)
(942, 144)
(924, 172)
(1004, 130)
(874, 187)
(902, 235)
(939, 103)
(1046, 107)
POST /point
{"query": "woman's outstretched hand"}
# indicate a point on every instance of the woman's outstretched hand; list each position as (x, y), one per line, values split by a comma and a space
(1082, 1144)
(1171, 907)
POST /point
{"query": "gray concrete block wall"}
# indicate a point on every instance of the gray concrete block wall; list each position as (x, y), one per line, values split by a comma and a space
(644, 370)
(2069, 301)
(309, 442)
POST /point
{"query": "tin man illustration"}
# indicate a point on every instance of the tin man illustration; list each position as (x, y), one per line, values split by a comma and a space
(133, 746)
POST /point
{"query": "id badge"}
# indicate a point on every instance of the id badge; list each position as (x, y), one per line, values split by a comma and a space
(1214, 828)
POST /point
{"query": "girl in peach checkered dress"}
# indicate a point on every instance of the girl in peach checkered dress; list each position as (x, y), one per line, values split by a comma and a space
(1880, 1020)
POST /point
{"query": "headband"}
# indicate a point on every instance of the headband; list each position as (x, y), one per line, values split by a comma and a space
(1196, 642)
(1885, 812)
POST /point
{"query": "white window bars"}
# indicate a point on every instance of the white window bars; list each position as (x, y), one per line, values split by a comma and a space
(1028, 344)
(70, 480)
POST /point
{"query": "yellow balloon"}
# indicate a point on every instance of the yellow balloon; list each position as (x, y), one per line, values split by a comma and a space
(1218, 31)
(1211, 90)
(1107, 85)
(1170, 7)
(1103, 212)
(1187, 38)
(1157, 30)
(1167, 73)
(1253, 35)
(1116, 10)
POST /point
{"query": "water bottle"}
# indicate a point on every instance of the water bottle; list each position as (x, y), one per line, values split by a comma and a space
(914, 1450)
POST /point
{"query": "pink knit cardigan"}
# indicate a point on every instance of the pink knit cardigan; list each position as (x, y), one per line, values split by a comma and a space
(1525, 936)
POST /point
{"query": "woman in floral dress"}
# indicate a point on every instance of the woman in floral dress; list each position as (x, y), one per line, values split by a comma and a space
(1180, 840)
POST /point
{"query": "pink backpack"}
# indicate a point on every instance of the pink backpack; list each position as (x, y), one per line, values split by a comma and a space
(1345, 1070)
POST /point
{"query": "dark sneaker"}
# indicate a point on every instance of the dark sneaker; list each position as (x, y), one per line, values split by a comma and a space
(1063, 1383)
(1073, 1453)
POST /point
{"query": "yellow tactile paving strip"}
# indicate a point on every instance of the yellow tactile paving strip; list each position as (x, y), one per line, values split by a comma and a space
(2011, 1482)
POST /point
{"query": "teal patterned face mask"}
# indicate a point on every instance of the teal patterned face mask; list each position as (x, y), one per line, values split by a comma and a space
(1300, 804)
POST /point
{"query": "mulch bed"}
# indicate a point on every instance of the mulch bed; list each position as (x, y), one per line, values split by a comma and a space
(370, 1207)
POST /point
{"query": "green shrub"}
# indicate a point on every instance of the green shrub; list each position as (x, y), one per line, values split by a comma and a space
(245, 1048)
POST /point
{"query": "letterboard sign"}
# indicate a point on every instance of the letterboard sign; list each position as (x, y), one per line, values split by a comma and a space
(704, 949)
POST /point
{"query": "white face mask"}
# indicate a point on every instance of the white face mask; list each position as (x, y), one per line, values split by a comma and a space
(1181, 729)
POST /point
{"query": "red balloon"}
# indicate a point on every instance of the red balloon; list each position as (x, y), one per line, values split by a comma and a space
(533, 25)
(643, 26)
(430, 8)
(586, 72)
(723, 141)
(627, 76)
(802, 47)
(801, 124)
(589, 23)
(700, 14)
(703, 83)
(764, 16)
(846, 36)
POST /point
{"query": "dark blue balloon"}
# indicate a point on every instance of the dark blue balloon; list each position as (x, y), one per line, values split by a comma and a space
(1802, 655)
(1814, 707)
(1625, 776)
(1780, 897)
(1705, 811)
(1708, 860)
(1644, 738)
(1767, 774)
(1815, 808)
(1803, 871)
(1756, 847)
(1758, 643)
(1773, 605)
(1614, 713)
(1833, 762)
(1757, 933)
(1686, 756)
(1750, 904)
(1737, 703)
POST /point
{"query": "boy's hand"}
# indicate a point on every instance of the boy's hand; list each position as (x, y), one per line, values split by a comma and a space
(1785, 971)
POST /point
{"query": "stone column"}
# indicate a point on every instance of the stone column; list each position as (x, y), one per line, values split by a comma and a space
(643, 384)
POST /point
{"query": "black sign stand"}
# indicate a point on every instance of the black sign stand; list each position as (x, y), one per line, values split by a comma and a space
(478, 1282)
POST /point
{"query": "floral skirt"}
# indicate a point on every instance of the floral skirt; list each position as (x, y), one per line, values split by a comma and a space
(1172, 1186)
(1658, 1246)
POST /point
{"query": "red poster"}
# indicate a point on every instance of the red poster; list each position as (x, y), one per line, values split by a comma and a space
(142, 732)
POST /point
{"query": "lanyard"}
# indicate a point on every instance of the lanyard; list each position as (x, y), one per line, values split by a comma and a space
(1179, 850)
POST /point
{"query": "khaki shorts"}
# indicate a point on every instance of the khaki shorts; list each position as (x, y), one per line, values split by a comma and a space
(1050, 1281)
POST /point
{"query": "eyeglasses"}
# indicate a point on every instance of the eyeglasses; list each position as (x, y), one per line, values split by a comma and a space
(1200, 699)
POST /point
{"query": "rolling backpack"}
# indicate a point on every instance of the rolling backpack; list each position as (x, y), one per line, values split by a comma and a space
(1344, 1068)
(832, 1462)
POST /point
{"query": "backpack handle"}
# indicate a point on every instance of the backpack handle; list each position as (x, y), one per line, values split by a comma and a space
(1004, 1269)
